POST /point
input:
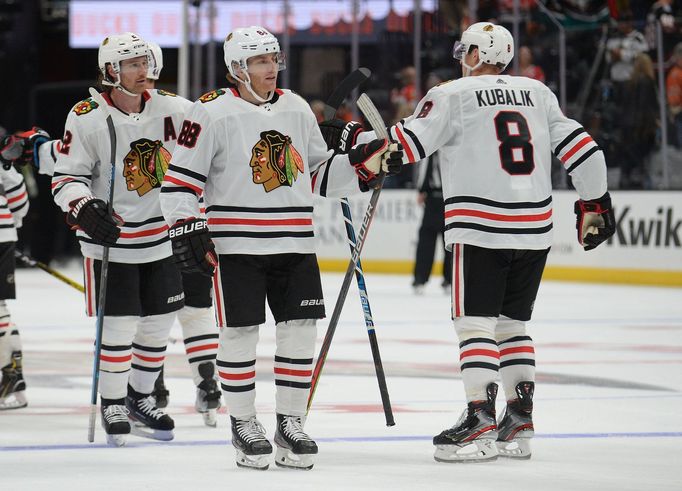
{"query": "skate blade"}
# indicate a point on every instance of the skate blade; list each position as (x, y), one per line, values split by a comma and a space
(117, 440)
(289, 460)
(15, 400)
(210, 417)
(255, 462)
(139, 429)
(518, 448)
(483, 450)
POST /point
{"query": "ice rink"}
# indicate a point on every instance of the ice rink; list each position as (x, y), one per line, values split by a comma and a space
(607, 415)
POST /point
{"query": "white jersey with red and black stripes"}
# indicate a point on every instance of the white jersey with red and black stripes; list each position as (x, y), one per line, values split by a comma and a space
(257, 167)
(497, 134)
(13, 203)
(143, 153)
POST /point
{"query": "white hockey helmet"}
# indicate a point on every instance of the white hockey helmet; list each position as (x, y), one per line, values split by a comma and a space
(156, 60)
(495, 45)
(115, 49)
(244, 43)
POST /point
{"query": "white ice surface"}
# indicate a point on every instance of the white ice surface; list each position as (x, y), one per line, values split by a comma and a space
(607, 407)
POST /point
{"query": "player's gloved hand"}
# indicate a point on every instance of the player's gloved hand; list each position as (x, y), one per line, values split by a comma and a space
(595, 221)
(340, 135)
(370, 159)
(193, 248)
(21, 148)
(90, 214)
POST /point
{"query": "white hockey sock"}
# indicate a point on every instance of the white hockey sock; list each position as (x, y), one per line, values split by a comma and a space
(6, 328)
(200, 334)
(149, 350)
(116, 355)
(237, 369)
(517, 355)
(294, 365)
(478, 354)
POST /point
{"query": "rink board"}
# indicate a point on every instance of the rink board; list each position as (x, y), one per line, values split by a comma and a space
(646, 248)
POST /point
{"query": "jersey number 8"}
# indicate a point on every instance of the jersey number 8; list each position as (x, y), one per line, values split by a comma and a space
(516, 149)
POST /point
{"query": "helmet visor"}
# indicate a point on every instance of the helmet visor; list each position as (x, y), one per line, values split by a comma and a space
(459, 50)
(264, 63)
(133, 65)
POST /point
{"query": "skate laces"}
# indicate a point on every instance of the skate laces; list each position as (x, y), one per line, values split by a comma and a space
(115, 413)
(148, 406)
(250, 429)
(292, 427)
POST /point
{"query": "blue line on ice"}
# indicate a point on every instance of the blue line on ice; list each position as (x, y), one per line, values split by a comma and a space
(349, 439)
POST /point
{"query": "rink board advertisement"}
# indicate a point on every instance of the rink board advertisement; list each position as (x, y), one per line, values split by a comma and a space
(646, 249)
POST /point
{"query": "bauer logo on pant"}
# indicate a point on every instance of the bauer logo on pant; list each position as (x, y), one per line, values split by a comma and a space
(145, 165)
(274, 161)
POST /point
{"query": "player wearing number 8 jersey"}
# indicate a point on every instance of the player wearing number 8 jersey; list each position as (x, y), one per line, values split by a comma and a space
(496, 134)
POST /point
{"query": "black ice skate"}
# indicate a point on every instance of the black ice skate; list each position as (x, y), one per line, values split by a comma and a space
(472, 439)
(515, 429)
(250, 443)
(294, 446)
(12, 385)
(115, 421)
(147, 419)
(208, 394)
(160, 392)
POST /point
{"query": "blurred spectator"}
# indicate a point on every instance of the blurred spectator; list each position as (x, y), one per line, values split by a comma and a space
(673, 85)
(662, 11)
(639, 123)
(526, 66)
(623, 48)
(407, 93)
(318, 109)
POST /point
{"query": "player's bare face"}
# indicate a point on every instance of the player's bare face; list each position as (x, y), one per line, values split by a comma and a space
(134, 74)
(263, 71)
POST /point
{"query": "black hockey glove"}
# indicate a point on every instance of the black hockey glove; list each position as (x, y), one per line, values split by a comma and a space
(339, 134)
(90, 214)
(21, 148)
(193, 248)
(370, 159)
(595, 221)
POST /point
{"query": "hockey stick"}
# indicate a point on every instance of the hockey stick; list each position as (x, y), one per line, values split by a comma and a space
(104, 271)
(32, 263)
(369, 110)
(345, 87)
(348, 84)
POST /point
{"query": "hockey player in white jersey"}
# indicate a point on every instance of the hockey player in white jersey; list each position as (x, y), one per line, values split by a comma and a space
(13, 207)
(496, 134)
(199, 330)
(257, 155)
(144, 285)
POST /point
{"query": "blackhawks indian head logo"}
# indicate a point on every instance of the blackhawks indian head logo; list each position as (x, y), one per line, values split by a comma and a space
(145, 165)
(274, 161)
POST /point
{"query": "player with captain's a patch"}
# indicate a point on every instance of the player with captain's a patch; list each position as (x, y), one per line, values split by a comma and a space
(257, 155)
(144, 286)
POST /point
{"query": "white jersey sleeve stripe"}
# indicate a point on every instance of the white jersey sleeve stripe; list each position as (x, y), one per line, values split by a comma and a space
(415, 140)
(583, 158)
(406, 146)
(559, 148)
